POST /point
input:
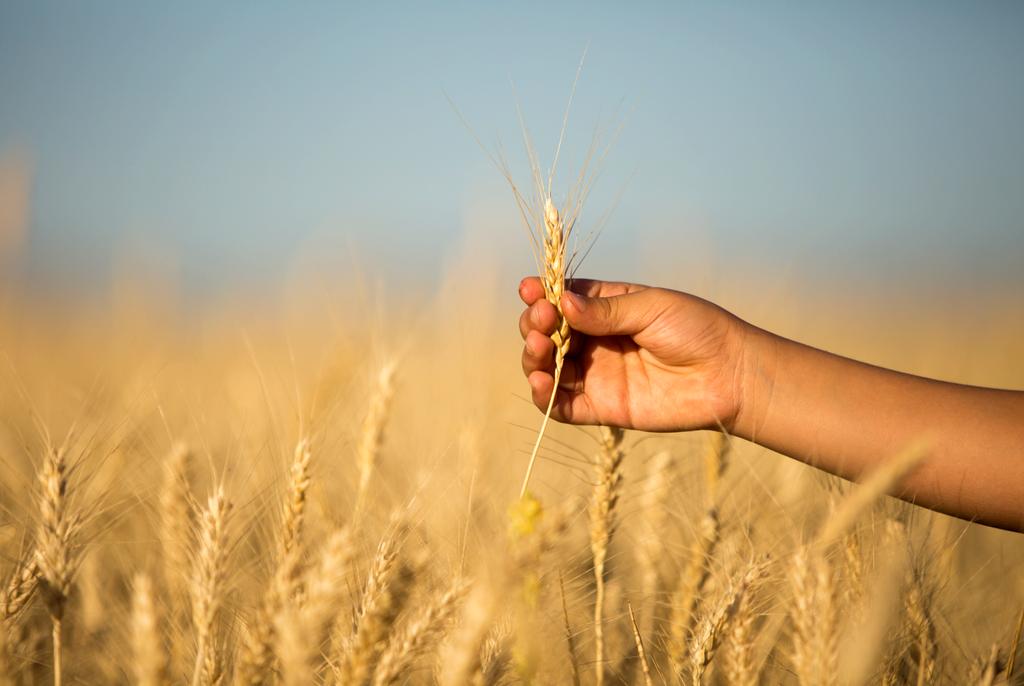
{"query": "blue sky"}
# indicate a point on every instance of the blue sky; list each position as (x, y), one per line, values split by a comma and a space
(861, 138)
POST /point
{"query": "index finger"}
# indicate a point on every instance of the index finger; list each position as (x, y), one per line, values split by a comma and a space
(531, 290)
(595, 288)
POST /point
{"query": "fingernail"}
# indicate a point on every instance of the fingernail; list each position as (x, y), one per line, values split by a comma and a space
(578, 302)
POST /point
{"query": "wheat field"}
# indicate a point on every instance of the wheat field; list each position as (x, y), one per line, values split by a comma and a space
(326, 494)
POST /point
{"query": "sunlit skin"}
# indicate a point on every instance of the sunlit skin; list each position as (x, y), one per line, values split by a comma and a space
(654, 359)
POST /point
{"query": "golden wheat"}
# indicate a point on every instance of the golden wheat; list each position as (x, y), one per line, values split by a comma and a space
(209, 577)
(150, 659)
(857, 592)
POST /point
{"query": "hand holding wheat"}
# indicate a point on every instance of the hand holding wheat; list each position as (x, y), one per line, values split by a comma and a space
(641, 358)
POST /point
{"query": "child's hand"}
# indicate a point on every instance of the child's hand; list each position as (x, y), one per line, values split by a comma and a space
(641, 358)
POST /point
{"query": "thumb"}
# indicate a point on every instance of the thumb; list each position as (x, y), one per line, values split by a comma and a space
(623, 315)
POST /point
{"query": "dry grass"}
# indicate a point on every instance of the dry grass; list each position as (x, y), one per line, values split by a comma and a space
(283, 583)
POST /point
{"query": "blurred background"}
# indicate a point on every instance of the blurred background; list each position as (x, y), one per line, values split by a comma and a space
(201, 149)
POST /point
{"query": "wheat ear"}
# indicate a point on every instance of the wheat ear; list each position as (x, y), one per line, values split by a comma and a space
(553, 279)
(177, 528)
(386, 591)
(602, 527)
(295, 501)
(373, 434)
(709, 633)
(740, 668)
(150, 660)
(55, 552)
(19, 589)
(177, 507)
(428, 625)
(695, 575)
(14, 598)
(209, 575)
(654, 516)
(255, 665)
(815, 622)
(302, 630)
(256, 654)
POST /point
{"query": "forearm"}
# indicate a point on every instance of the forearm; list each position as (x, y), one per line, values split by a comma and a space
(844, 417)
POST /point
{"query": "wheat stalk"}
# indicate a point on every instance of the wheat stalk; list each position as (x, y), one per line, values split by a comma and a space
(922, 629)
(570, 639)
(602, 528)
(1013, 647)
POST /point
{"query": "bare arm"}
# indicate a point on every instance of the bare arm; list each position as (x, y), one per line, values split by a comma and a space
(844, 416)
(660, 360)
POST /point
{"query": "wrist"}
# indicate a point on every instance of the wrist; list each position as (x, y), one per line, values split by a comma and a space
(756, 373)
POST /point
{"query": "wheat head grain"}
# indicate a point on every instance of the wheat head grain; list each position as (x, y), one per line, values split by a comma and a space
(695, 574)
(209, 579)
(20, 588)
(149, 656)
(425, 628)
(815, 619)
(553, 279)
(295, 500)
(713, 627)
(386, 590)
(256, 656)
(654, 511)
(177, 515)
(372, 435)
(302, 630)
(56, 554)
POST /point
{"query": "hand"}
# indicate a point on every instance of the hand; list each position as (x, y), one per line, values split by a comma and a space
(640, 358)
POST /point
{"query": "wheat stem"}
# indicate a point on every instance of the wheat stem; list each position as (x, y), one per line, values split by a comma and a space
(602, 527)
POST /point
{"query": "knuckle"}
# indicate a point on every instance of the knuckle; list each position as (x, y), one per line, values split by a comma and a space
(611, 308)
